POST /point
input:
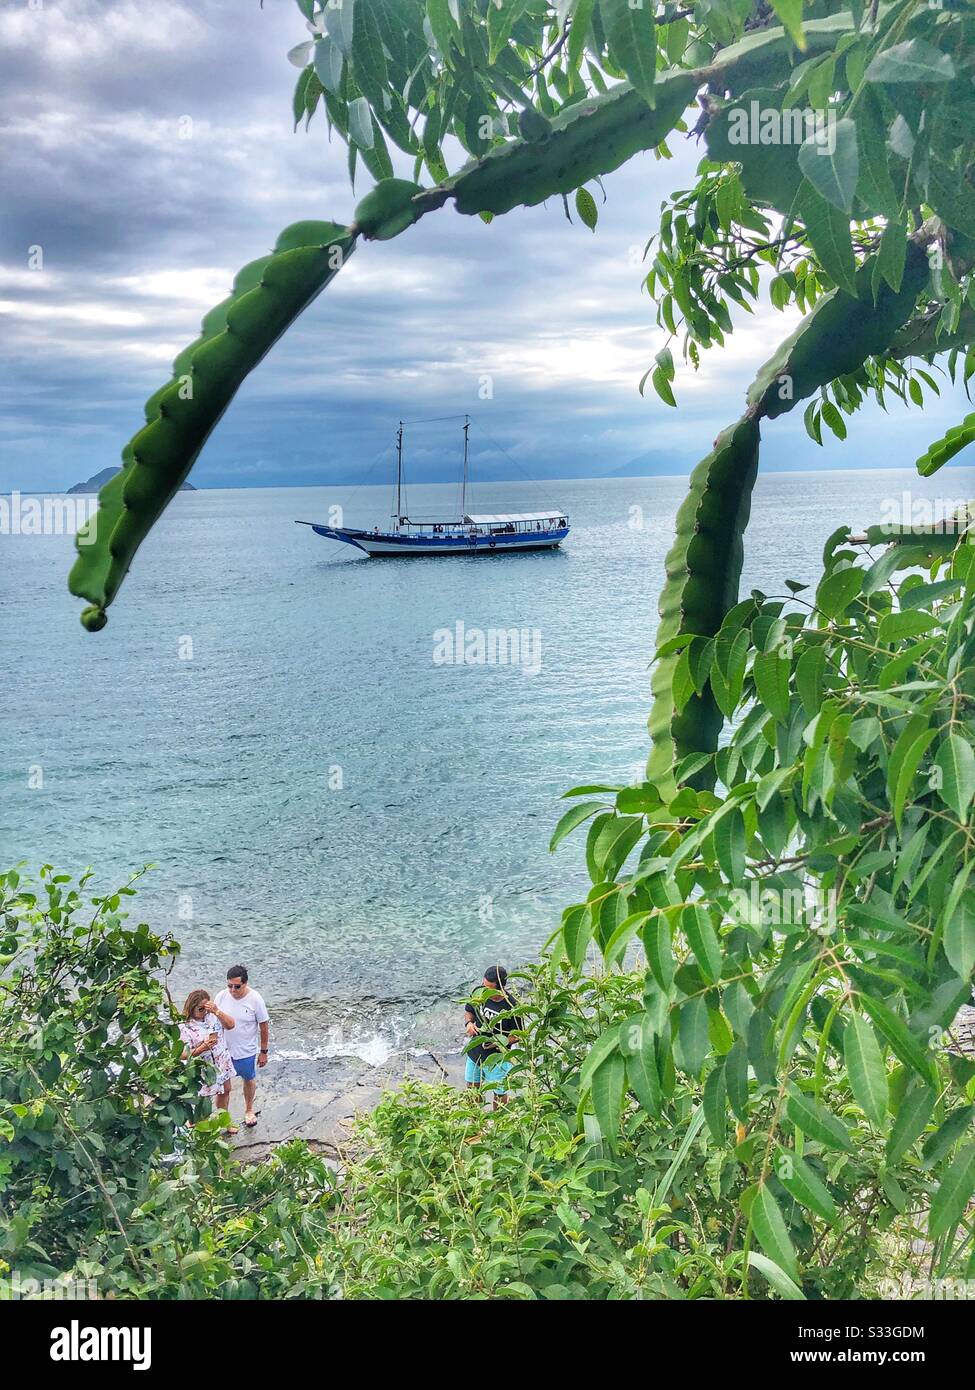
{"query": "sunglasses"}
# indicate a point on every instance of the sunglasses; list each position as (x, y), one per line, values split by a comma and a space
(236, 986)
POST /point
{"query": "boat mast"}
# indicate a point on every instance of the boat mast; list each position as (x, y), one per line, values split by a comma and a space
(463, 495)
(399, 473)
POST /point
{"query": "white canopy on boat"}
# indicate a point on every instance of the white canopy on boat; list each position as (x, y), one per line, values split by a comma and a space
(502, 517)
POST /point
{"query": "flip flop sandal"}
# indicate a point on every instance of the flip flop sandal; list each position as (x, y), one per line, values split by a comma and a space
(251, 1123)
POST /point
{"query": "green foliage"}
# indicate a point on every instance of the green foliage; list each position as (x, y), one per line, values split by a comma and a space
(810, 931)
(615, 1170)
(703, 568)
(100, 1178)
(268, 295)
(92, 1087)
(586, 85)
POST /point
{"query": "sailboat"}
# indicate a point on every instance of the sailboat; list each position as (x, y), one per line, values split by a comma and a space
(473, 533)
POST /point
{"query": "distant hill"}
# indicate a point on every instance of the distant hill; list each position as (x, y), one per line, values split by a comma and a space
(98, 481)
(649, 465)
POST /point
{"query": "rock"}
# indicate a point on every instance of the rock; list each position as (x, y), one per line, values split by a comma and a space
(324, 1117)
(961, 1035)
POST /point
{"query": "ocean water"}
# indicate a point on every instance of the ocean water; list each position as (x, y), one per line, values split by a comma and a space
(264, 719)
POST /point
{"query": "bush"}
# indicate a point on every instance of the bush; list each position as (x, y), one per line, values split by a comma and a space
(768, 1103)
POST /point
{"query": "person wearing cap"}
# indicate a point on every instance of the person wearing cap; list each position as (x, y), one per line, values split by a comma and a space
(491, 1021)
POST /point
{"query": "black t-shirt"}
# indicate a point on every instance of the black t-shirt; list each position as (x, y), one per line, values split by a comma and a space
(486, 1016)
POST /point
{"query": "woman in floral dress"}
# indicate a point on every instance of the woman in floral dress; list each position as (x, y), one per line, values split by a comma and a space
(204, 1033)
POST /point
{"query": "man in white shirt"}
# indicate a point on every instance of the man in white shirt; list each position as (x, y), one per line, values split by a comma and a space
(251, 1026)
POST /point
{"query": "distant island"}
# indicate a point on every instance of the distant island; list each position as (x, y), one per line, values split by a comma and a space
(98, 480)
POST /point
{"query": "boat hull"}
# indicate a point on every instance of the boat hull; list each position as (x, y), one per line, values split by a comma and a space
(384, 545)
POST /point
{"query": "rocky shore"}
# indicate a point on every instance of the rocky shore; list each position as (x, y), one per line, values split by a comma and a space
(317, 1102)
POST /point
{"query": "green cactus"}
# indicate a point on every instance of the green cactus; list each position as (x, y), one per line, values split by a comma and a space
(388, 210)
(938, 454)
(592, 137)
(837, 336)
(268, 295)
(702, 571)
(704, 563)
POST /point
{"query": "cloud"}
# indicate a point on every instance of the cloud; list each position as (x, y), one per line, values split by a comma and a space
(149, 153)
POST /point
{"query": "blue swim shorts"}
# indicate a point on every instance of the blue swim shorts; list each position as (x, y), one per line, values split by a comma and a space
(492, 1074)
(245, 1067)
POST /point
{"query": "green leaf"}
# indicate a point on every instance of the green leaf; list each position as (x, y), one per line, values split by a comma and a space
(659, 948)
(837, 591)
(956, 761)
(904, 761)
(952, 198)
(946, 1136)
(500, 21)
(770, 1228)
(301, 87)
(729, 846)
(703, 940)
(692, 1035)
(608, 1088)
(614, 843)
(577, 934)
(913, 61)
(445, 31)
(573, 817)
(771, 673)
(912, 623)
(959, 933)
(829, 233)
(736, 1079)
(605, 1044)
(810, 669)
(881, 569)
(713, 1101)
(579, 32)
(632, 37)
(892, 256)
(328, 64)
(789, 12)
(777, 1277)
(818, 1122)
(865, 1065)
(802, 1183)
(875, 186)
(622, 936)
(662, 386)
(913, 1114)
(902, 1042)
(951, 1199)
(368, 56)
(637, 1044)
(833, 167)
(360, 123)
(833, 418)
(586, 208)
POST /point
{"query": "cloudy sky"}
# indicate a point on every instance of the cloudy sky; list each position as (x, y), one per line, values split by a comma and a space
(148, 151)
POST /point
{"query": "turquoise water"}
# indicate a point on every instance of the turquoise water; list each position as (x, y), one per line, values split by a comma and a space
(364, 827)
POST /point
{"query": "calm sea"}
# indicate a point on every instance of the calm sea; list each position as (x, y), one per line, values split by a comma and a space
(268, 719)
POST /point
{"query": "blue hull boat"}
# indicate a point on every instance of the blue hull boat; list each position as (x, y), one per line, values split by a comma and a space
(471, 534)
